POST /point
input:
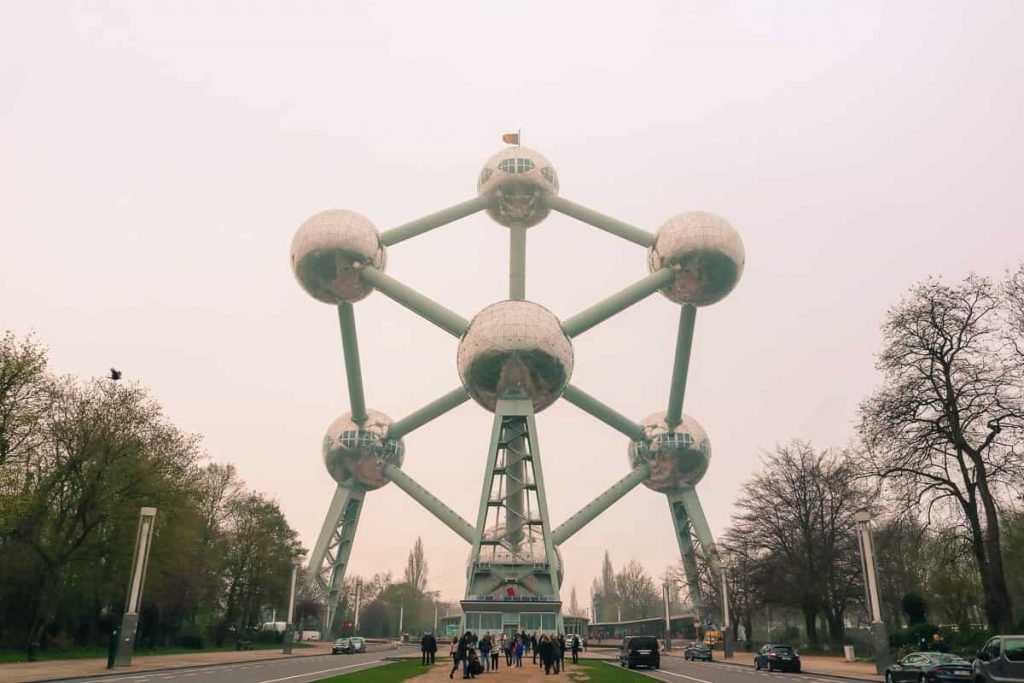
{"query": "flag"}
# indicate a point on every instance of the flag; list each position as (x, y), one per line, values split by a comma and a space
(510, 138)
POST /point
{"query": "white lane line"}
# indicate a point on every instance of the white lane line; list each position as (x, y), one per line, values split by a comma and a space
(324, 671)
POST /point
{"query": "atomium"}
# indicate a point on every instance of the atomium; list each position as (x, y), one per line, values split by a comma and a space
(518, 178)
(355, 455)
(515, 348)
(325, 253)
(706, 252)
(677, 457)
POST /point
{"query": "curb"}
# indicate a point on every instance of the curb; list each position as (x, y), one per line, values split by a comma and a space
(115, 672)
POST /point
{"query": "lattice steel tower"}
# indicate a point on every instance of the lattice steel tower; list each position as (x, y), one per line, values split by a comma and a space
(514, 358)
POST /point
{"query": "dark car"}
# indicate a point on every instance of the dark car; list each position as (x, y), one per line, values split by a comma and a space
(640, 651)
(929, 667)
(358, 644)
(342, 646)
(1000, 661)
(777, 658)
(697, 651)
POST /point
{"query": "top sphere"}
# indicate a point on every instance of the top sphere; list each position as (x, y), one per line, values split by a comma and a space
(515, 349)
(706, 252)
(518, 178)
(678, 457)
(355, 454)
(325, 250)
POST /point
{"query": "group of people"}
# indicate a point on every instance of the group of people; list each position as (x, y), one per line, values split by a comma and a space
(478, 654)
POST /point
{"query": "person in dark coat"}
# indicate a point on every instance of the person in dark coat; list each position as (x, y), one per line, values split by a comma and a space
(575, 649)
(431, 648)
(560, 652)
(424, 644)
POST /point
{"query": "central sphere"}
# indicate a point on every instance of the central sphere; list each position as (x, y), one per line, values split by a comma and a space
(355, 454)
(678, 457)
(515, 349)
(518, 178)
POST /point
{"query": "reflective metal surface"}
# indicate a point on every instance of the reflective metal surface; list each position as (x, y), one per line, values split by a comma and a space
(515, 349)
(677, 458)
(707, 253)
(324, 249)
(518, 178)
(355, 456)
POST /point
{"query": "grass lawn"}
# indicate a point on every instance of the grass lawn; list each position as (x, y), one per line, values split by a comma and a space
(599, 671)
(16, 656)
(399, 671)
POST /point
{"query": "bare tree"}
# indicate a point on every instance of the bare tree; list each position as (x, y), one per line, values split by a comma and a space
(944, 423)
(416, 567)
(636, 591)
(574, 606)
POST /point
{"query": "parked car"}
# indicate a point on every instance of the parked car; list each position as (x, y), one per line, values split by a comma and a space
(342, 646)
(1000, 661)
(777, 658)
(640, 651)
(697, 651)
(358, 644)
(929, 667)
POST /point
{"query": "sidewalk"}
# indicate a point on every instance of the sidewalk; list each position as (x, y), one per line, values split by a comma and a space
(73, 668)
(528, 672)
(812, 664)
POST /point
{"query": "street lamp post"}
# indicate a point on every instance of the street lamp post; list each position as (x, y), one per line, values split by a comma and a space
(289, 626)
(668, 620)
(140, 562)
(879, 635)
(726, 625)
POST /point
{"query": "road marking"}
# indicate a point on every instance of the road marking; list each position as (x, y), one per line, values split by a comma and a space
(337, 668)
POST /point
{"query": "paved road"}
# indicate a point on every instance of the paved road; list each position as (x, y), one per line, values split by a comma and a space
(679, 670)
(297, 670)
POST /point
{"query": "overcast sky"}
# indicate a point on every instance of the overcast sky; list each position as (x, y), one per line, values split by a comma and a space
(156, 159)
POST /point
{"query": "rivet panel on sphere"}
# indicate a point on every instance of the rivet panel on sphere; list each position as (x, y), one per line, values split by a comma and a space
(706, 250)
(325, 250)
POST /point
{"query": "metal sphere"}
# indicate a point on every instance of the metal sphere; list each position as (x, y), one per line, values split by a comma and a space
(515, 349)
(325, 251)
(355, 454)
(518, 178)
(677, 457)
(706, 252)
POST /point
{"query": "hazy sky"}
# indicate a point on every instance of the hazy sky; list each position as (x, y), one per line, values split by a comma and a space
(156, 159)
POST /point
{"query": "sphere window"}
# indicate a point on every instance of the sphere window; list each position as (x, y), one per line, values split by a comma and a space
(485, 175)
(519, 165)
(549, 175)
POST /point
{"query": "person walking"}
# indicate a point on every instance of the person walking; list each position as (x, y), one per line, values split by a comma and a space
(465, 643)
(544, 651)
(424, 642)
(533, 645)
(431, 648)
(561, 651)
(520, 649)
(508, 644)
(454, 651)
(485, 651)
(576, 649)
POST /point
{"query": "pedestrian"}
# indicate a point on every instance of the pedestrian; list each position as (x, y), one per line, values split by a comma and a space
(561, 651)
(547, 660)
(520, 649)
(485, 650)
(508, 645)
(494, 654)
(431, 648)
(454, 651)
(576, 649)
(465, 643)
(424, 644)
(473, 666)
(533, 645)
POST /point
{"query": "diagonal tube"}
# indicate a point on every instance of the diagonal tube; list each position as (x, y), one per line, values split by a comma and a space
(421, 305)
(435, 408)
(694, 510)
(591, 510)
(684, 343)
(610, 417)
(618, 302)
(601, 221)
(353, 370)
(434, 220)
(432, 503)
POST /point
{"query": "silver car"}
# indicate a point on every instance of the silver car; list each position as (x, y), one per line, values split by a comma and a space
(1000, 661)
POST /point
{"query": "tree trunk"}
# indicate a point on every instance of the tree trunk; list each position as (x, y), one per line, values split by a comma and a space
(811, 624)
(998, 607)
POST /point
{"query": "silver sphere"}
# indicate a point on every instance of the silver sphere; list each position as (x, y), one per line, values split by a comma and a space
(706, 252)
(355, 455)
(325, 251)
(677, 458)
(518, 178)
(515, 349)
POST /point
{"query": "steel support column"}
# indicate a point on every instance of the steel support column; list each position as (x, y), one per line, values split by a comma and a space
(601, 221)
(423, 306)
(353, 370)
(517, 262)
(329, 559)
(434, 220)
(618, 302)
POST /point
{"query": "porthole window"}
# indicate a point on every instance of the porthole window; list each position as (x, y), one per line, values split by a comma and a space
(549, 175)
(485, 175)
(519, 165)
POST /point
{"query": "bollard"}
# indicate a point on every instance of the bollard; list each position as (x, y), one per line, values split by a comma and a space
(112, 649)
